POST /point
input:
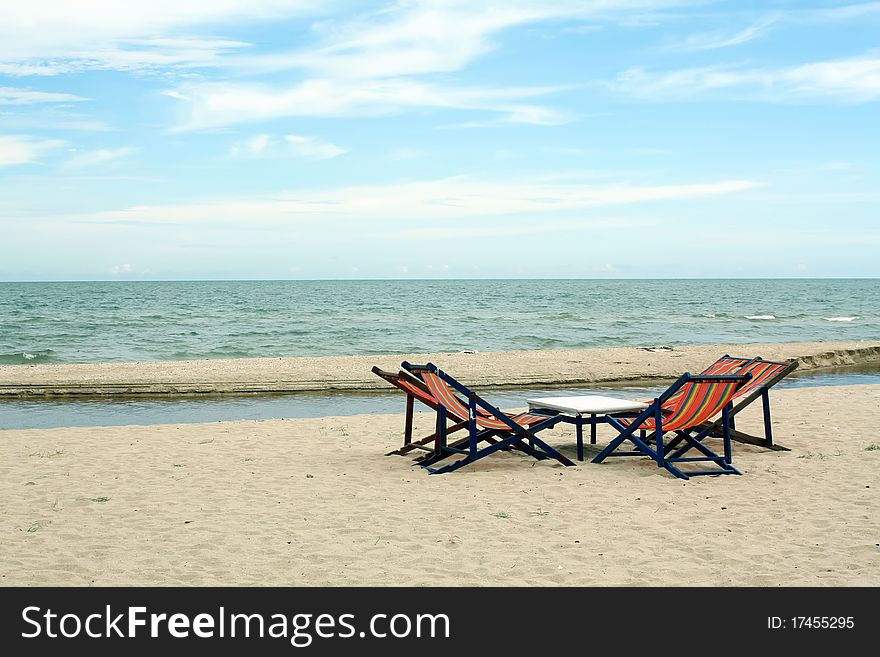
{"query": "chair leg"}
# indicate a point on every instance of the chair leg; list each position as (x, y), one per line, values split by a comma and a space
(579, 428)
(768, 431)
(440, 433)
(408, 427)
(658, 437)
(726, 421)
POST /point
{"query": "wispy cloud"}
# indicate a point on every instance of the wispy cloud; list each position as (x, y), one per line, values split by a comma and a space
(313, 147)
(378, 60)
(50, 37)
(252, 146)
(214, 105)
(387, 62)
(723, 38)
(296, 145)
(429, 199)
(856, 79)
(97, 157)
(15, 96)
(24, 149)
(839, 13)
(517, 230)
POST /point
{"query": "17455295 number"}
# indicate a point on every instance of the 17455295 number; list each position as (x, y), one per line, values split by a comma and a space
(811, 623)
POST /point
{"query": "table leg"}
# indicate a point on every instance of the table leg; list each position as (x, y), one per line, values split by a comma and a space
(592, 429)
(580, 437)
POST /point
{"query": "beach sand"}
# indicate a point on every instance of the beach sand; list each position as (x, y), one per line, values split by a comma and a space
(486, 370)
(315, 502)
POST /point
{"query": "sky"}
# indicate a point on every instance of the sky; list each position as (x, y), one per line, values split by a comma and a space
(298, 139)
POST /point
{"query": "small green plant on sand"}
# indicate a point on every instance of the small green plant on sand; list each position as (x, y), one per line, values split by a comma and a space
(48, 455)
(501, 514)
(873, 447)
(100, 499)
(819, 455)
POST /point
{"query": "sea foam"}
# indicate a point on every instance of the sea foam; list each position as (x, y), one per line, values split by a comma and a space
(760, 316)
(841, 319)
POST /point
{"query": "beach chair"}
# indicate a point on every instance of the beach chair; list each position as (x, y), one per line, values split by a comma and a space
(416, 389)
(695, 400)
(764, 375)
(485, 423)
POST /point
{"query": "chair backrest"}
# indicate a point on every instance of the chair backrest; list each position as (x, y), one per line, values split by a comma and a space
(764, 373)
(409, 384)
(701, 398)
(444, 394)
(724, 365)
(447, 397)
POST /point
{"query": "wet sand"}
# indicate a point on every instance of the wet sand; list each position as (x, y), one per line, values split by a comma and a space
(485, 370)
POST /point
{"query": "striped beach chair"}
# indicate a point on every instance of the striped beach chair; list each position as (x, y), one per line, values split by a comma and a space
(695, 400)
(764, 375)
(416, 389)
(485, 423)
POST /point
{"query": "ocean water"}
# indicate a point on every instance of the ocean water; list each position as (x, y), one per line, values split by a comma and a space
(138, 321)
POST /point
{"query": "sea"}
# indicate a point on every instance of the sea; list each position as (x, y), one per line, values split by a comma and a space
(83, 322)
(86, 322)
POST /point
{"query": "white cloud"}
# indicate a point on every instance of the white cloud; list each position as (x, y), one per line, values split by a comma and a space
(373, 64)
(100, 156)
(48, 37)
(423, 200)
(14, 96)
(23, 149)
(385, 62)
(856, 79)
(515, 230)
(840, 13)
(297, 145)
(254, 146)
(125, 268)
(429, 36)
(312, 147)
(724, 39)
(213, 105)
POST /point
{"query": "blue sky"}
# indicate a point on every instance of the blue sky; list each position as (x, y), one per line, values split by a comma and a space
(294, 139)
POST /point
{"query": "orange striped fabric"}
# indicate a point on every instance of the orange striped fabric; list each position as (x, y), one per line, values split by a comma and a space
(445, 396)
(762, 371)
(724, 365)
(416, 391)
(700, 400)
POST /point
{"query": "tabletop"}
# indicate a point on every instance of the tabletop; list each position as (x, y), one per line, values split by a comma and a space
(587, 404)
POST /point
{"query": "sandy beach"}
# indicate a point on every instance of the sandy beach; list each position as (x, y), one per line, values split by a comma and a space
(486, 370)
(315, 502)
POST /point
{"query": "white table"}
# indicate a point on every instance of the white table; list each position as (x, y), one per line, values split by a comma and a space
(585, 409)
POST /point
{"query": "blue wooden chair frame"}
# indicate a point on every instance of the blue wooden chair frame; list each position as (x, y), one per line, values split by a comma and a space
(514, 436)
(655, 449)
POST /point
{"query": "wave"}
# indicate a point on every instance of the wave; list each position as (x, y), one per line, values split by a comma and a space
(760, 316)
(841, 319)
(27, 357)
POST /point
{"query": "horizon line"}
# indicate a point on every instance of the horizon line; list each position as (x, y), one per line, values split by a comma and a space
(398, 280)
